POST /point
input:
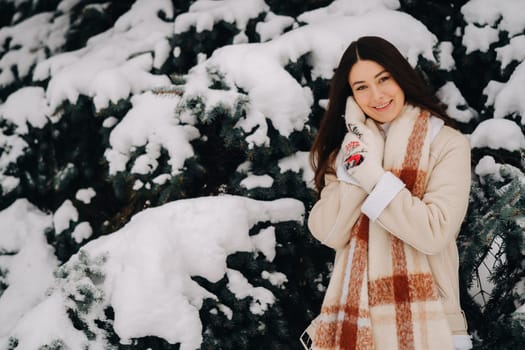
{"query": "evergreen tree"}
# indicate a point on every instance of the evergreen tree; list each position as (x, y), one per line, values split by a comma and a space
(64, 168)
(492, 255)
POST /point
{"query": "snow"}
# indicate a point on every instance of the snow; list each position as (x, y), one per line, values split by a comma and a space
(450, 95)
(27, 105)
(110, 122)
(114, 63)
(52, 308)
(161, 248)
(224, 309)
(259, 68)
(28, 42)
(161, 53)
(519, 290)
(9, 183)
(488, 166)
(347, 8)
(514, 51)
(254, 181)
(498, 133)
(486, 19)
(152, 123)
(240, 286)
(137, 185)
(507, 99)
(265, 242)
(161, 179)
(479, 39)
(505, 15)
(82, 231)
(30, 265)
(299, 162)
(13, 147)
(64, 216)
(445, 58)
(115, 83)
(147, 265)
(67, 5)
(85, 195)
(275, 278)
(482, 289)
(254, 70)
(273, 26)
(203, 14)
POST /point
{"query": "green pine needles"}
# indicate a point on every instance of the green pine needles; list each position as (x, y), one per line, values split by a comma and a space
(492, 248)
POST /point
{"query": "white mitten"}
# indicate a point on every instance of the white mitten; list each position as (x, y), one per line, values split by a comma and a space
(362, 147)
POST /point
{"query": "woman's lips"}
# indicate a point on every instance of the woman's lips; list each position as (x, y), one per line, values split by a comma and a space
(383, 106)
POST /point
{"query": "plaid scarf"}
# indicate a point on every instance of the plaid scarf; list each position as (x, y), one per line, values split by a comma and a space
(381, 293)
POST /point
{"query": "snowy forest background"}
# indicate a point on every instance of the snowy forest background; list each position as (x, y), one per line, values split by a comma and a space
(154, 168)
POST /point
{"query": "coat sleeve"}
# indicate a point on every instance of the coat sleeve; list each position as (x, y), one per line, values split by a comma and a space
(431, 223)
(335, 213)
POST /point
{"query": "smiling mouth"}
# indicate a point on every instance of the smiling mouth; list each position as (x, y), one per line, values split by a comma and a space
(383, 106)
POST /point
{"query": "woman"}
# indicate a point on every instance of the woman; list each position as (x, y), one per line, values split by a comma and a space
(394, 184)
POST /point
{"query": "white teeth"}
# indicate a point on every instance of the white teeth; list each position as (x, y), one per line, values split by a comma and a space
(383, 106)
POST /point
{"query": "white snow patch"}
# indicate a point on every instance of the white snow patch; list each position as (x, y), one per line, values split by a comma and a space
(254, 181)
(151, 123)
(498, 133)
(277, 279)
(264, 241)
(85, 195)
(508, 98)
(25, 106)
(203, 14)
(451, 96)
(298, 162)
(64, 216)
(150, 261)
(240, 286)
(31, 265)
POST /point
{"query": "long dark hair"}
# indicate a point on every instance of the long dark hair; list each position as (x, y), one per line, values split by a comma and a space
(332, 129)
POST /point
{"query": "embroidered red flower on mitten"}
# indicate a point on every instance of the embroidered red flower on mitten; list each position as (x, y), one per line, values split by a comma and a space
(362, 147)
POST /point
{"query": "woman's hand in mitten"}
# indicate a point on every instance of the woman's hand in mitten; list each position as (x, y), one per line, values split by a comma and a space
(362, 148)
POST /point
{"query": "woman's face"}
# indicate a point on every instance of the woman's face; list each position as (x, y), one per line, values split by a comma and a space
(375, 91)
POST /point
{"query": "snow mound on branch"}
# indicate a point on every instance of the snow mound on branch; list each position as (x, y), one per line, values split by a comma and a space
(347, 8)
(25, 106)
(203, 14)
(115, 63)
(486, 19)
(503, 15)
(145, 268)
(457, 106)
(498, 133)
(299, 162)
(29, 261)
(514, 51)
(150, 123)
(273, 26)
(274, 94)
(29, 42)
(507, 98)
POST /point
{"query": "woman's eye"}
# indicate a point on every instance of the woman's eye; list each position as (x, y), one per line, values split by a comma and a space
(360, 88)
(384, 78)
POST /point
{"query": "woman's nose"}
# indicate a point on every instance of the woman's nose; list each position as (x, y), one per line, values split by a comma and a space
(376, 92)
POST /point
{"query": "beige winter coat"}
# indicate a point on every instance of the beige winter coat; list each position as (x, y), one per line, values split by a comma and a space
(430, 225)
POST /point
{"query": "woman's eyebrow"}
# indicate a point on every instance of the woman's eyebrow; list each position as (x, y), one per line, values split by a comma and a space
(378, 74)
(375, 76)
